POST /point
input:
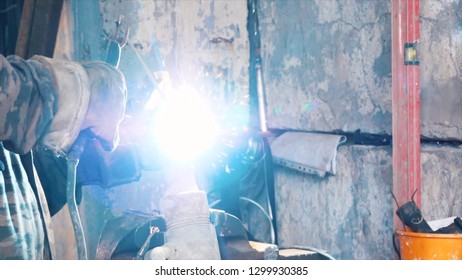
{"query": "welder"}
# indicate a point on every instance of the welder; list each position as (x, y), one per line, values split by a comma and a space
(46, 104)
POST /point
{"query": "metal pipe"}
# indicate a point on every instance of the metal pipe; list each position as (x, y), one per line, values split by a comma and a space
(261, 99)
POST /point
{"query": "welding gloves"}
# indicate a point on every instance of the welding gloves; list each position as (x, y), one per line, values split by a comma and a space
(89, 96)
(190, 234)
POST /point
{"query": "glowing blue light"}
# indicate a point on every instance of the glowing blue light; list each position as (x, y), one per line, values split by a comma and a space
(185, 126)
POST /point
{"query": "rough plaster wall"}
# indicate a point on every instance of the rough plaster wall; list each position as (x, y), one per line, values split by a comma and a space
(327, 67)
(201, 61)
(89, 39)
(351, 214)
(440, 53)
(441, 182)
(327, 64)
(202, 43)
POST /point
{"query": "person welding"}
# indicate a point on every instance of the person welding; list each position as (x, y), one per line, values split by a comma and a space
(46, 103)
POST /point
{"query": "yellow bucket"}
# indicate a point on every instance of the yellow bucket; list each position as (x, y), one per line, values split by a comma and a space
(429, 246)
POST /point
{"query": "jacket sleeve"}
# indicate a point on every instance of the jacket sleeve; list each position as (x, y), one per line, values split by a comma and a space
(47, 102)
(27, 97)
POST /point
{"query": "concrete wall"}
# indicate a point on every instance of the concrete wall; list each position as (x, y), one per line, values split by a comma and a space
(441, 177)
(351, 214)
(327, 64)
(440, 53)
(327, 67)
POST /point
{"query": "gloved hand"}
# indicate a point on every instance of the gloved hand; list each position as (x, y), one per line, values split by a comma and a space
(90, 96)
(190, 235)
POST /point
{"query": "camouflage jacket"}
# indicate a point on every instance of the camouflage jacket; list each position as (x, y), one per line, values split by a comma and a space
(26, 109)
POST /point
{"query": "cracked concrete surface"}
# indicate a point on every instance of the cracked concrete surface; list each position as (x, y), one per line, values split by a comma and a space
(440, 53)
(342, 76)
(351, 214)
(441, 177)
